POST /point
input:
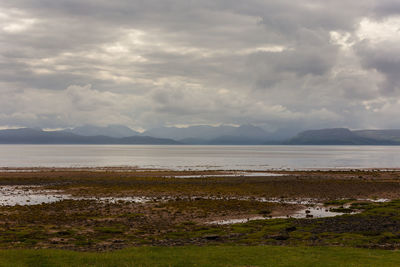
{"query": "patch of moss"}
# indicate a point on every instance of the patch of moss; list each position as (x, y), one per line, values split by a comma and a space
(361, 205)
(338, 202)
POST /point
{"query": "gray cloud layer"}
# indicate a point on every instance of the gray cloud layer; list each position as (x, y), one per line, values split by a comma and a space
(145, 63)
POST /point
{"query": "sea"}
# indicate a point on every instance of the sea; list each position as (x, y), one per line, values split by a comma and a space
(200, 157)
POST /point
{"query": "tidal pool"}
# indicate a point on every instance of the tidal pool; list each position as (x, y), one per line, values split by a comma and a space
(32, 195)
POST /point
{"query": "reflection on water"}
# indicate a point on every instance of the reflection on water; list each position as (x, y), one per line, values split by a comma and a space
(33, 195)
(309, 212)
(200, 157)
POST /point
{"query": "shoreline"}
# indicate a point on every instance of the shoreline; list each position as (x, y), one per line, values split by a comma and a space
(127, 168)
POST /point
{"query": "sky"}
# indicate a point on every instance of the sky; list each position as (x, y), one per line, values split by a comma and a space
(278, 64)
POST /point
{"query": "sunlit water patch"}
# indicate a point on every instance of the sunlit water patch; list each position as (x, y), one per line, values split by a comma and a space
(31, 195)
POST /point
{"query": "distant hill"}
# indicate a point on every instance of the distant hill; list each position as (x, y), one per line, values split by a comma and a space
(387, 135)
(34, 136)
(216, 135)
(342, 136)
(116, 131)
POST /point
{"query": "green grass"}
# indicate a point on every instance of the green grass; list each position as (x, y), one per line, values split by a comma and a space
(205, 256)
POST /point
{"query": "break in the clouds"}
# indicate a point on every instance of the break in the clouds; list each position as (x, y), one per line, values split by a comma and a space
(277, 64)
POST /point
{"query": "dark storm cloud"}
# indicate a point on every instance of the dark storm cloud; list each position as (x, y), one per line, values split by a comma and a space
(385, 8)
(278, 64)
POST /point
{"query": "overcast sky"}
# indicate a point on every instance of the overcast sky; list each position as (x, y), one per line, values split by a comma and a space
(147, 63)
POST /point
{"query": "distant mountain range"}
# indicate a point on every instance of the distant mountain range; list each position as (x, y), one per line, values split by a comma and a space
(213, 135)
(200, 135)
(116, 131)
(343, 136)
(34, 136)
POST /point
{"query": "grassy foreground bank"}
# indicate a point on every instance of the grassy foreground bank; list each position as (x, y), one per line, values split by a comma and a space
(205, 256)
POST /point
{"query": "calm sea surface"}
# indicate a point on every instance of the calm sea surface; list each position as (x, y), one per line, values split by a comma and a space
(200, 157)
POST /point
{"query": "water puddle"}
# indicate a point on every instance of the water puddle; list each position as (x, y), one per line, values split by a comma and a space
(378, 200)
(312, 210)
(306, 213)
(235, 174)
(315, 212)
(21, 195)
(233, 221)
(297, 201)
(116, 199)
(19, 170)
(27, 195)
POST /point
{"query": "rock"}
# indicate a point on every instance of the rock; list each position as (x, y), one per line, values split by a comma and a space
(280, 237)
(291, 229)
(211, 237)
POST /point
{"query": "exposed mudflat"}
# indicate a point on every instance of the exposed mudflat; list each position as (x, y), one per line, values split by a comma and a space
(111, 208)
